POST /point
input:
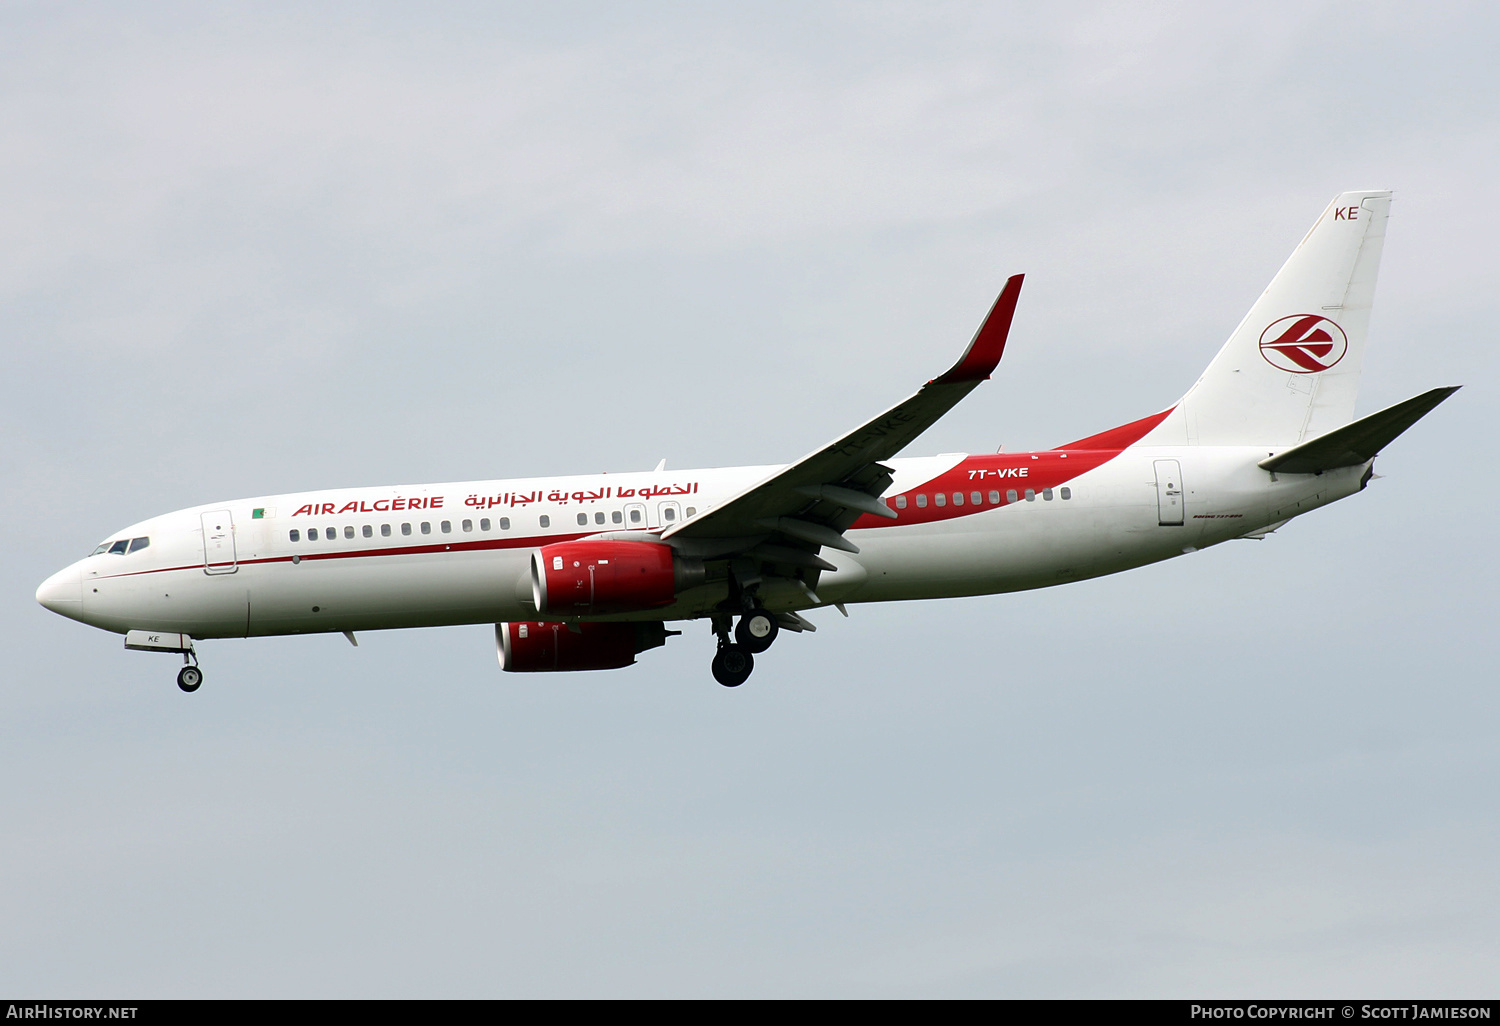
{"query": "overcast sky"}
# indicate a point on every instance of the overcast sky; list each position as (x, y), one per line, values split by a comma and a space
(254, 248)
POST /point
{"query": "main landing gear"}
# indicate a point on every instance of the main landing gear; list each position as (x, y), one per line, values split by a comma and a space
(732, 664)
(756, 630)
(735, 660)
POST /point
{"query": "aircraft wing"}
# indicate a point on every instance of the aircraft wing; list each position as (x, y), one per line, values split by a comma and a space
(787, 517)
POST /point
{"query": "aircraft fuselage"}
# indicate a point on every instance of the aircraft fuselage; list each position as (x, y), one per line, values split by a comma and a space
(430, 555)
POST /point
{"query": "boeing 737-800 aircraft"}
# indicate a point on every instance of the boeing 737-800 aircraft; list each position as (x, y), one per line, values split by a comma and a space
(585, 573)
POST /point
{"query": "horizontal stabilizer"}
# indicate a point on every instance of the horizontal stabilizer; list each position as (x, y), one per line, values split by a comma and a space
(1356, 443)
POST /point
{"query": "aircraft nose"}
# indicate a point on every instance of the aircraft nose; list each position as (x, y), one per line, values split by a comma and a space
(63, 593)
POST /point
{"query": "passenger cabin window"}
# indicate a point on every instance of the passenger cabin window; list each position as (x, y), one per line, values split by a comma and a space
(468, 525)
(447, 526)
(484, 525)
(1010, 495)
(505, 523)
(583, 520)
(976, 498)
(368, 531)
(426, 527)
(921, 501)
(348, 532)
(900, 502)
(692, 511)
(385, 530)
(296, 535)
(669, 514)
(312, 534)
(940, 499)
(635, 516)
(958, 498)
(617, 517)
(1047, 494)
(599, 517)
(1030, 495)
(406, 529)
(1065, 492)
(994, 498)
(546, 521)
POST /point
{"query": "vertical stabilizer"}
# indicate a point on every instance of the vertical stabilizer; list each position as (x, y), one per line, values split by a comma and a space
(1291, 369)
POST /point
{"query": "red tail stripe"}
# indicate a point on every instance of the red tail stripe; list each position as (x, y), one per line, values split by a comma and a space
(1121, 437)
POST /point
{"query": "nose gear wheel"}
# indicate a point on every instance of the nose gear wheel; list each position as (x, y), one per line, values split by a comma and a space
(190, 678)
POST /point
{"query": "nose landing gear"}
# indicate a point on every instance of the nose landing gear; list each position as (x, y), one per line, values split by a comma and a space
(189, 678)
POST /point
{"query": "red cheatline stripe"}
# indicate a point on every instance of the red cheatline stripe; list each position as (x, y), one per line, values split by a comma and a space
(410, 550)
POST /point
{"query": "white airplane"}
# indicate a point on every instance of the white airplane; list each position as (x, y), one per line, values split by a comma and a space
(584, 573)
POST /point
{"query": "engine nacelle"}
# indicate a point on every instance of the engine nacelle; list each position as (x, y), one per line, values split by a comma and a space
(534, 647)
(590, 578)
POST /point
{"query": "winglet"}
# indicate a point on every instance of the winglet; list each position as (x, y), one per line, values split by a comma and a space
(983, 355)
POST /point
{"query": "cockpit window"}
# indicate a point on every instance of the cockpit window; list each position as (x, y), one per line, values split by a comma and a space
(137, 544)
(103, 547)
(119, 547)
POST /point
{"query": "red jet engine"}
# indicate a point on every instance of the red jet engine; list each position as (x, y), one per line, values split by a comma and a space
(534, 647)
(593, 578)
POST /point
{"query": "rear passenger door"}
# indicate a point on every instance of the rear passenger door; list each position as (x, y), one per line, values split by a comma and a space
(1168, 493)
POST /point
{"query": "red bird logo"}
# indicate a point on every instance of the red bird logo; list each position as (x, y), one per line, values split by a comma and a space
(1307, 345)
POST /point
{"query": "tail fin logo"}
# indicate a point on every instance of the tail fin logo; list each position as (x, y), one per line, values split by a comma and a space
(1303, 344)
